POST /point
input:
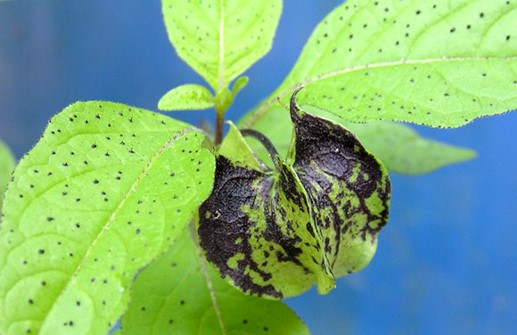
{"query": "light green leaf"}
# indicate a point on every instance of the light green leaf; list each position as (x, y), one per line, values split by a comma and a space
(239, 84)
(181, 294)
(234, 145)
(186, 97)
(105, 191)
(399, 147)
(402, 150)
(438, 63)
(6, 167)
(220, 39)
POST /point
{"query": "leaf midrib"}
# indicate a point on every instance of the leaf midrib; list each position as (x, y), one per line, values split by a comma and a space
(221, 69)
(257, 114)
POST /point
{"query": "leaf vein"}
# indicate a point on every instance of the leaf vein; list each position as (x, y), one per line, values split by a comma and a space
(112, 217)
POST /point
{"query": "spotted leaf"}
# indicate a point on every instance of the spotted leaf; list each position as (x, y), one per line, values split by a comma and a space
(186, 97)
(105, 191)
(438, 63)
(6, 167)
(312, 218)
(220, 39)
(195, 300)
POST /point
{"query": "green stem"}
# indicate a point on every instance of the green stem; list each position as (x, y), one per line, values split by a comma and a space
(223, 100)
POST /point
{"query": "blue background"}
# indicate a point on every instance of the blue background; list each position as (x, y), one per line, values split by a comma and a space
(446, 262)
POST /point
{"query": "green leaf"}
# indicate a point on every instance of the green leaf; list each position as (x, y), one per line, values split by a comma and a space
(399, 147)
(195, 300)
(105, 191)
(315, 217)
(239, 84)
(223, 99)
(234, 145)
(186, 97)
(6, 168)
(402, 150)
(437, 63)
(220, 39)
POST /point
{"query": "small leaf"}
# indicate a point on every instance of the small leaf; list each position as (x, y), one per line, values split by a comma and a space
(186, 97)
(234, 145)
(221, 39)
(105, 191)
(6, 168)
(314, 217)
(223, 99)
(239, 84)
(436, 63)
(195, 300)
